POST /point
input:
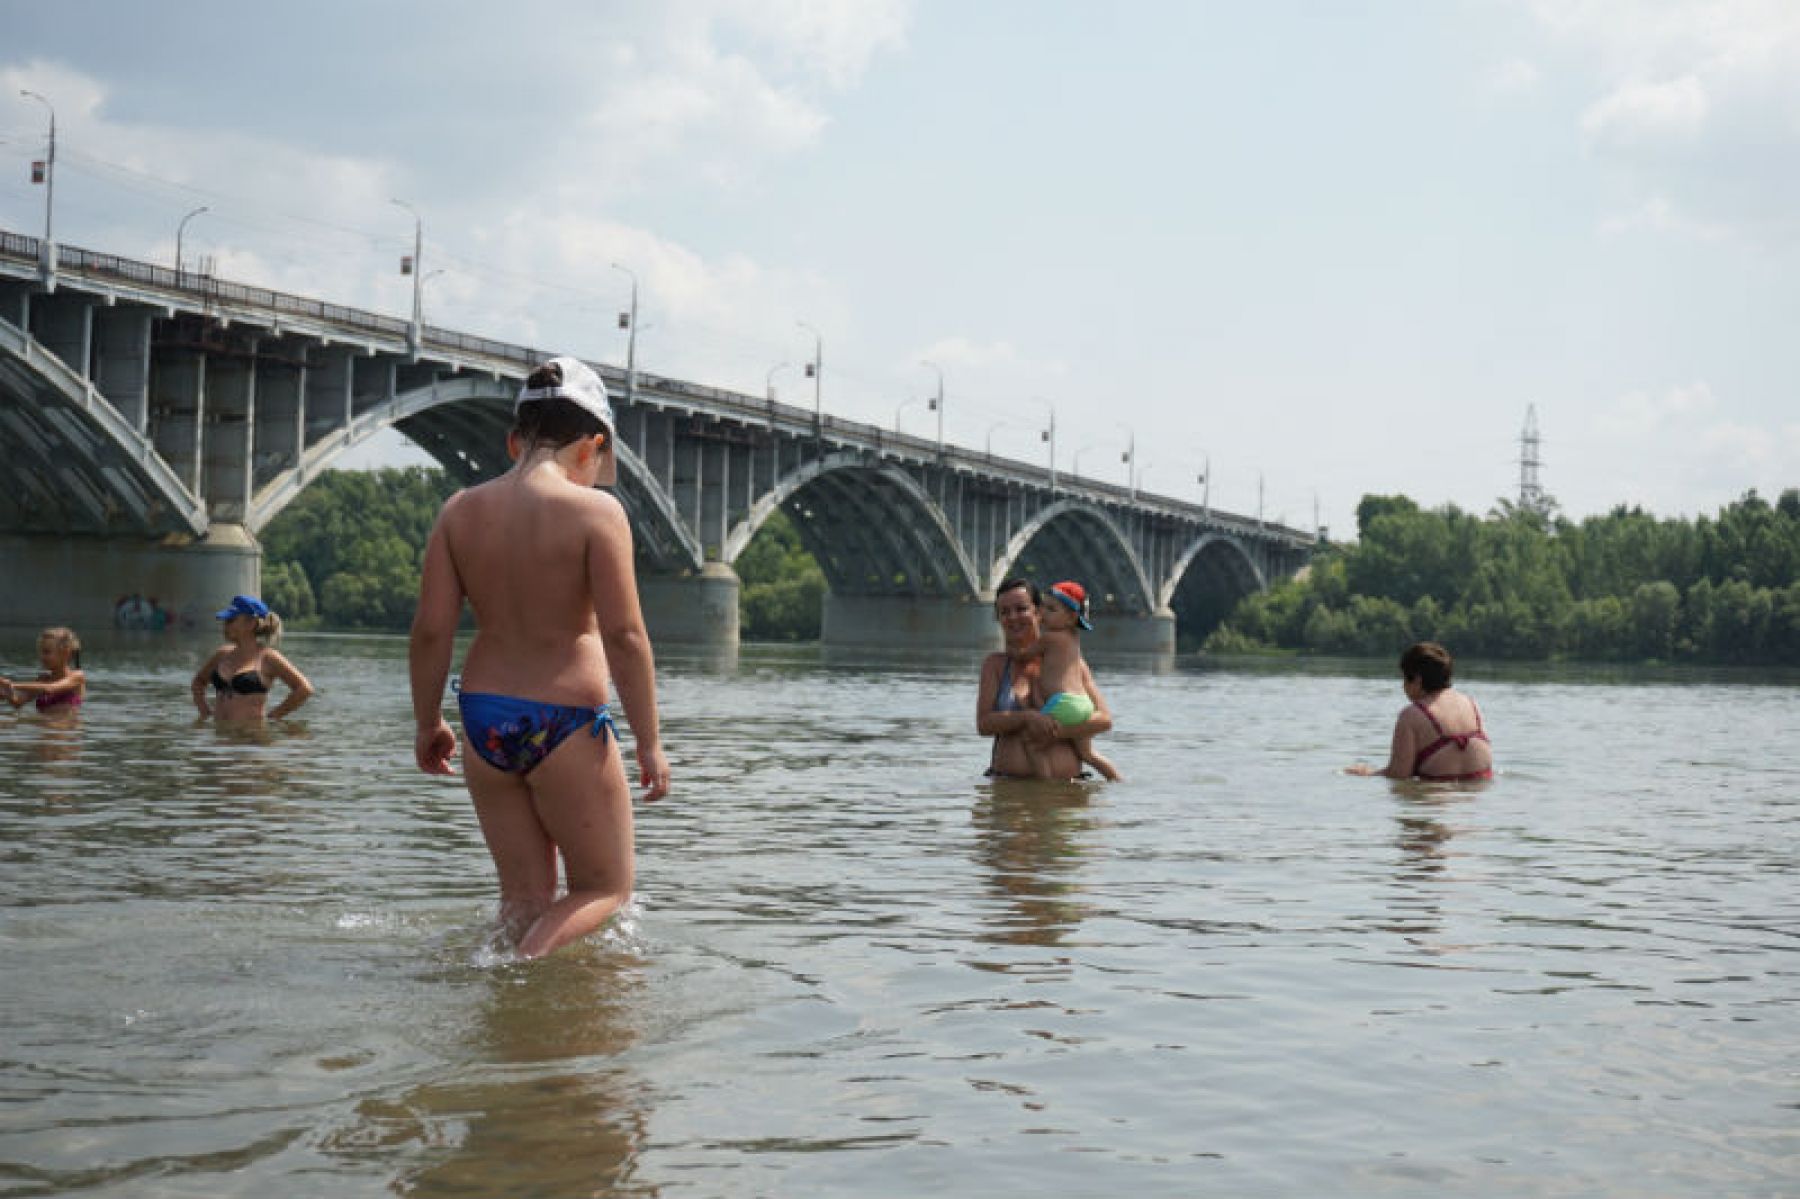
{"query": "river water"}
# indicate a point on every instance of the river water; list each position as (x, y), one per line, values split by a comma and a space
(257, 965)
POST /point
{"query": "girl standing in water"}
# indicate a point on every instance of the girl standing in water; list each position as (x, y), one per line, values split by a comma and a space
(545, 561)
(240, 672)
(62, 686)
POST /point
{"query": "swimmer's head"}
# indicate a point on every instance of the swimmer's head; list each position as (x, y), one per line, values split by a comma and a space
(1074, 597)
(563, 401)
(1429, 663)
(59, 645)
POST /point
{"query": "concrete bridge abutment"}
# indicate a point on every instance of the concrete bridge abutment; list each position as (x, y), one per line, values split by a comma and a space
(79, 581)
(691, 609)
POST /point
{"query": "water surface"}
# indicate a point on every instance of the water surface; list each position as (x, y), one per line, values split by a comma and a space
(257, 964)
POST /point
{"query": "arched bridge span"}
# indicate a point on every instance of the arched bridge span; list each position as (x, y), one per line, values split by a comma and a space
(145, 410)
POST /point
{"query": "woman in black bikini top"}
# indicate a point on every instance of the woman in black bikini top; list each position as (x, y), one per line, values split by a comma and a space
(238, 673)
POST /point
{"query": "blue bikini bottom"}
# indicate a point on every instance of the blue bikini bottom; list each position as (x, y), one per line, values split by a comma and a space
(514, 735)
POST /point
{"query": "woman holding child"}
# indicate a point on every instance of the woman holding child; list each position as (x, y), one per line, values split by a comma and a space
(1026, 741)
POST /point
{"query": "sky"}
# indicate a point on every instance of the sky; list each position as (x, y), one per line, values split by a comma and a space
(1313, 250)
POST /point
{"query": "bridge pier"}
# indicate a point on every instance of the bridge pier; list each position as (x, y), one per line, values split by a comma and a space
(77, 581)
(691, 609)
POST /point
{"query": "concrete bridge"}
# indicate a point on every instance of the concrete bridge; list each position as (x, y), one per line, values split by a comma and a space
(153, 423)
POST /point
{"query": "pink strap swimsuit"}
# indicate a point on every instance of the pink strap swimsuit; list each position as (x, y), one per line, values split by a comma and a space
(1460, 740)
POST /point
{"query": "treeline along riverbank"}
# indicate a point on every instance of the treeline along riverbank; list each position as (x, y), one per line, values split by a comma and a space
(1519, 584)
(346, 555)
(1624, 587)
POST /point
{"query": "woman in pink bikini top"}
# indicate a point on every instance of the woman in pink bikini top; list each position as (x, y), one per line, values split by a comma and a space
(1438, 737)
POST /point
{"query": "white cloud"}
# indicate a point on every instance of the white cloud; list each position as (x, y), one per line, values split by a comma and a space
(1637, 112)
(1694, 100)
(683, 96)
(1642, 413)
(1659, 215)
(1514, 77)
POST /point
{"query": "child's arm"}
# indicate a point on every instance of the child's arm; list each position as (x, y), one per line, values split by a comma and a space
(990, 723)
(22, 693)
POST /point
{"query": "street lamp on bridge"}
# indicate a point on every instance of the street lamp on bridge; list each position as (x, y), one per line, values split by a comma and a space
(182, 229)
(45, 173)
(415, 266)
(815, 370)
(769, 381)
(904, 405)
(1049, 434)
(989, 443)
(629, 322)
(427, 279)
(1129, 458)
(937, 404)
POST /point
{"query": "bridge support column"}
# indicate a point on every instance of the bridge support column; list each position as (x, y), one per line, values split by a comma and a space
(78, 581)
(695, 609)
(898, 621)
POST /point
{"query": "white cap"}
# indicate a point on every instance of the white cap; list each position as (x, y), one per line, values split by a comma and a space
(580, 385)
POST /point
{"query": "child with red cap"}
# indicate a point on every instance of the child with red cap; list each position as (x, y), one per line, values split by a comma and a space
(1063, 612)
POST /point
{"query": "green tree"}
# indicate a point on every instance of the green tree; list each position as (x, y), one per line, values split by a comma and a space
(783, 590)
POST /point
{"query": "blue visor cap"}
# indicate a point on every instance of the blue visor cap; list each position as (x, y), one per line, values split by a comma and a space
(243, 605)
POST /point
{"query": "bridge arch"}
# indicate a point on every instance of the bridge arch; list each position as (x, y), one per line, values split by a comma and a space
(1070, 539)
(1207, 580)
(70, 462)
(462, 423)
(873, 529)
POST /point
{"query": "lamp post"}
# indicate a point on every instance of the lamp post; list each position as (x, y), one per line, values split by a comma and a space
(1075, 466)
(816, 368)
(769, 382)
(427, 279)
(48, 250)
(937, 404)
(1129, 458)
(1205, 481)
(629, 322)
(415, 267)
(179, 231)
(988, 445)
(1049, 435)
(903, 406)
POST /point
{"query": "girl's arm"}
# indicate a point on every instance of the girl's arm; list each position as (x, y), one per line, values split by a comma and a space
(612, 584)
(23, 693)
(299, 690)
(428, 654)
(203, 680)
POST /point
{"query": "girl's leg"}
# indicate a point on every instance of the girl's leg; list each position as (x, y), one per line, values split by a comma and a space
(524, 856)
(584, 803)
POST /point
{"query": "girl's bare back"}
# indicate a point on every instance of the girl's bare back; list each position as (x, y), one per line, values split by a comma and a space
(526, 552)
